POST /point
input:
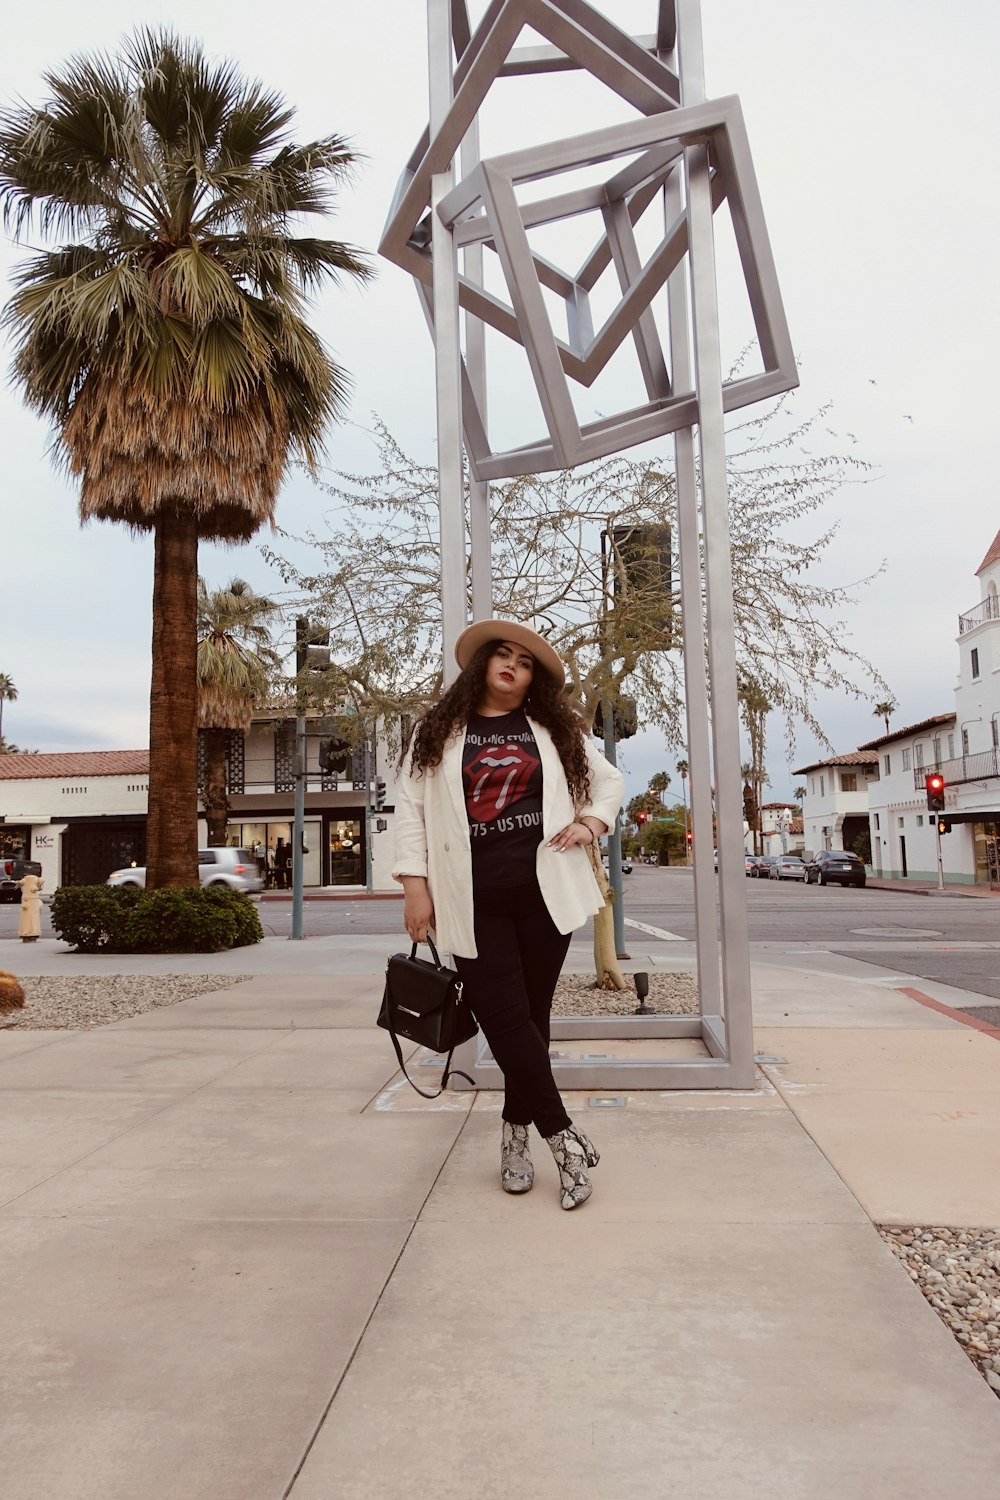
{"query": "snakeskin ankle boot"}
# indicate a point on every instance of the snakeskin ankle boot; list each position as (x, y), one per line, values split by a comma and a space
(573, 1153)
(516, 1171)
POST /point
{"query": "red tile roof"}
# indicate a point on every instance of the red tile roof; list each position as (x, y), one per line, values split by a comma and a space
(992, 555)
(74, 763)
(851, 758)
(937, 722)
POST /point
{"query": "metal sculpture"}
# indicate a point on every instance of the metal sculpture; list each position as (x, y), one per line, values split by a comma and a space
(691, 155)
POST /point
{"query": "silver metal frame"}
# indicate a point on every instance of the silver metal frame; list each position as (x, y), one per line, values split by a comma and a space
(694, 155)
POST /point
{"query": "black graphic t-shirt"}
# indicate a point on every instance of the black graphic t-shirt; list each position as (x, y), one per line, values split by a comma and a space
(502, 774)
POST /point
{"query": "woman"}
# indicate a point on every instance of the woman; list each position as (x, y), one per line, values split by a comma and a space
(30, 926)
(500, 796)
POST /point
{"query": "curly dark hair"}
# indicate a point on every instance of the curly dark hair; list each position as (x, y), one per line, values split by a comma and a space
(543, 702)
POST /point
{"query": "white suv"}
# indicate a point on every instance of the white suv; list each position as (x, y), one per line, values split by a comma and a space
(232, 867)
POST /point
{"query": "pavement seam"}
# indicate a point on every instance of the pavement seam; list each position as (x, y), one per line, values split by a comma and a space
(287, 1491)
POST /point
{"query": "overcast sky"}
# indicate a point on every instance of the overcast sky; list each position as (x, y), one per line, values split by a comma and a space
(874, 131)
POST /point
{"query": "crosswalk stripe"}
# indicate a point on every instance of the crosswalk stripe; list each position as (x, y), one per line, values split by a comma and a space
(660, 932)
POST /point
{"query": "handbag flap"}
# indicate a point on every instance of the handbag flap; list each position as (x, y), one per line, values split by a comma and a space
(418, 985)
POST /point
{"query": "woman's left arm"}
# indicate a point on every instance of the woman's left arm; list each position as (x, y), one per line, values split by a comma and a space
(607, 792)
(607, 789)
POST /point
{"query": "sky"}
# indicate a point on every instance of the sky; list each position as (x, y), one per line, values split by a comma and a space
(873, 127)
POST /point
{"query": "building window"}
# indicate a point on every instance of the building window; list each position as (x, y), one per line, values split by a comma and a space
(848, 781)
(906, 760)
(918, 755)
(822, 786)
(974, 659)
(900, 822)
(937, 751)
(920, 820)
(951, 747)
(993, 732)
(888, 764)
(965, 742)
(812, 786)
(877, 823)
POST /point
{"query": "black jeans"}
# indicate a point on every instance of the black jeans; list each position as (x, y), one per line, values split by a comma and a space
(509, 987)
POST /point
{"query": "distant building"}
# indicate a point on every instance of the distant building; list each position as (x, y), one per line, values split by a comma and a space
(836, 805)
(82, 813)
(890, 784)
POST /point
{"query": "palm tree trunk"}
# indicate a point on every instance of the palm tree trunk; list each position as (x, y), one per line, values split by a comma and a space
(172, 824)
(216, 800)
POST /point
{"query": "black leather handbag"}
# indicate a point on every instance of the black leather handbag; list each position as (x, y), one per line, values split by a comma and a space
(423, 1002)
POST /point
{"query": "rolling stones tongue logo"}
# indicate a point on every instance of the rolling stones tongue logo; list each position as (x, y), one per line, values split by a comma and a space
(497, 778)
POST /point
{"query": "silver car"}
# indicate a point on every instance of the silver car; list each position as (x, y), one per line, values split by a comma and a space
(235, 868)
(788, 867)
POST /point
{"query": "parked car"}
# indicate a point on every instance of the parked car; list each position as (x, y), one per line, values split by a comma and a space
(836, 866)
(763, 863)
(788, 867)
(749, 865)
(12, 868)
(235, 868)
(626, 867)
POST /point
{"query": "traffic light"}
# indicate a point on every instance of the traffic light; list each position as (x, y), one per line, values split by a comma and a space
(690, 839)
(334, 757)
(943, 825)
(934, 783)
(312, 646)
(624, 719)
(641, 818)
(379, 794)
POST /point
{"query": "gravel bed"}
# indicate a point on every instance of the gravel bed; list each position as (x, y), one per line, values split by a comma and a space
(66, 1003)
(669, 995)
(958, 1271)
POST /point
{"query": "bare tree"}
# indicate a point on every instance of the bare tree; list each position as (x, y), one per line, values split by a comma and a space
(376, 582)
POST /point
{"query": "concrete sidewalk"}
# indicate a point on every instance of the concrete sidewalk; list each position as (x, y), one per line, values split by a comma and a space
(241, 1260)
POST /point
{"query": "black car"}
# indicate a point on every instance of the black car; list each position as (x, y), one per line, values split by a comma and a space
(835, 867)
(12, 868)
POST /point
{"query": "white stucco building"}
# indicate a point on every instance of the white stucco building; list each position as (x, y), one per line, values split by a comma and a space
(892, 770)
(82, 814)
(836, 805)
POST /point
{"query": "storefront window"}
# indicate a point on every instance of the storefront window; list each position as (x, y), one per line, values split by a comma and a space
(986, 841)
(346, 864)
(14, 842)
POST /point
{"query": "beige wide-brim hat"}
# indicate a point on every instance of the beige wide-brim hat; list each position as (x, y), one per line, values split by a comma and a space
(483, 631)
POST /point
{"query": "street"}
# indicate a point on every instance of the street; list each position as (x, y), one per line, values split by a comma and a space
(948, 939)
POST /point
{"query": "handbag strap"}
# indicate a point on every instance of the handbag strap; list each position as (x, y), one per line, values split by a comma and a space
(434, 953)
(448, 1069)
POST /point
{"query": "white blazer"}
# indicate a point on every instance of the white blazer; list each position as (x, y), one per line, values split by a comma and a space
(431, 828)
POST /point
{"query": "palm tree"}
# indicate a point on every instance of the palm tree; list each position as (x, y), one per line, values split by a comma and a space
(755, 705)
(658, 784)
(166, 339)
(884, 709)
(683, 770)
(236, 667)
(8, 694)
(798, 795)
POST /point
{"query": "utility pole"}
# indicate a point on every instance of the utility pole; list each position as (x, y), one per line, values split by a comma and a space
(298, 827)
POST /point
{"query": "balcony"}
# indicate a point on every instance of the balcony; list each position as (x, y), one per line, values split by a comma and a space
(989, 609)
(978, 767)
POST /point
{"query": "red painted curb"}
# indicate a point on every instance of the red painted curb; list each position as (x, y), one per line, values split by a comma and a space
(947, 1010)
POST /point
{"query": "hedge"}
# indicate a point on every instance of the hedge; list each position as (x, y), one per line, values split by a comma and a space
(124, 919)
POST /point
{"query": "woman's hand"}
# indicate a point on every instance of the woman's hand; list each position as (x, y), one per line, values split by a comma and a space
(573, 833)
(418, 908)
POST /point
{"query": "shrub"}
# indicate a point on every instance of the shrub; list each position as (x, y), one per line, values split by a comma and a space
(94, 918)
(242, 911)
(123, 919)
